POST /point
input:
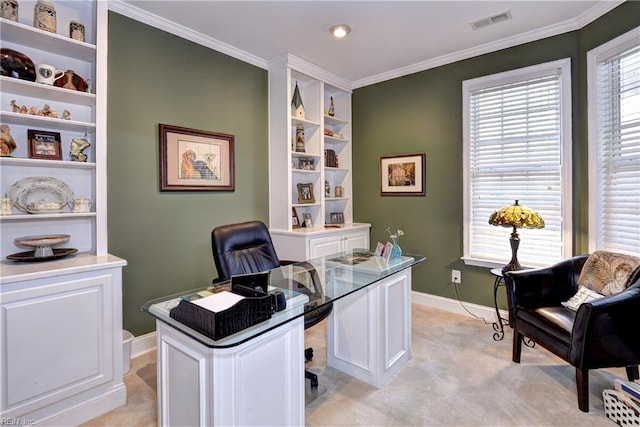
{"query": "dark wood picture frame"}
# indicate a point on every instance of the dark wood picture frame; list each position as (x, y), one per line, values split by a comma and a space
(44, 145)
(403, 175)
(295, 221)
(196, 160)
(337, 217)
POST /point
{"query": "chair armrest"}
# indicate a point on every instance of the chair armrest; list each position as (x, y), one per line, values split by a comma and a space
(605, 331)
(315, 278)
(543, 287)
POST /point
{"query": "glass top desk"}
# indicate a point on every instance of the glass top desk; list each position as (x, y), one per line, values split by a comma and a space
(336, 276)
(202, 381)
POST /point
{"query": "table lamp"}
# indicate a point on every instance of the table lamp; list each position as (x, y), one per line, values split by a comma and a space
(516, 216)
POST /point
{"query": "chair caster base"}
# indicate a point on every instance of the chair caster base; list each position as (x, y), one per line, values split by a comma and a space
(312, 377)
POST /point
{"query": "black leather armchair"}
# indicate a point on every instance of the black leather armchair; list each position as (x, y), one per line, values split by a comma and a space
(600, 334)
(247, 248)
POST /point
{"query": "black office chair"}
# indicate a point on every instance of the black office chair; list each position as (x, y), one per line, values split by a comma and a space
(247, 248)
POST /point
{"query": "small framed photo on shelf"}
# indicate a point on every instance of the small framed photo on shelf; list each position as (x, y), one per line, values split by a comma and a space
(308, 222)
(305, 193)
(295, 222)
(337, 218)
(44, 145)
(306, 164)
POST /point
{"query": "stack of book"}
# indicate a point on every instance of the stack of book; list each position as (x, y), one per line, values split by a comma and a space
(630, 388)
(330, 159)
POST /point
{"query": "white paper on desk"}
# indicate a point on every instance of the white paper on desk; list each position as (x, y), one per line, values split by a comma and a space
(218, 302)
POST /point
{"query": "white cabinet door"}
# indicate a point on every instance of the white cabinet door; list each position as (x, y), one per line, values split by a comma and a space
(298, 246)
(57, 342)
(323, 246)
(358, 240)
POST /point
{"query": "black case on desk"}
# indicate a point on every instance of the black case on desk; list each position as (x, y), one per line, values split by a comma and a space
(243, 314)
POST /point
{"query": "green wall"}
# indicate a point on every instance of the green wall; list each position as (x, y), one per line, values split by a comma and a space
(155, 77)
(422, 112)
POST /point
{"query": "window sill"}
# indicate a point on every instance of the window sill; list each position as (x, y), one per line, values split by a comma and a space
(492, 264)
(482, 263)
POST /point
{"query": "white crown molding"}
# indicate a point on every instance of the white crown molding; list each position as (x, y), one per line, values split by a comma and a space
(184, 32)
(597, 11)
(589, 16)
(312, 70)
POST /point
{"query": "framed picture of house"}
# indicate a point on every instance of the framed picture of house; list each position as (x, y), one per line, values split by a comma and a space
(196, 160)
(402, 175)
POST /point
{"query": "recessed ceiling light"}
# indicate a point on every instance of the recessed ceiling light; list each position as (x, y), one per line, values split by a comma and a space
(340, 30)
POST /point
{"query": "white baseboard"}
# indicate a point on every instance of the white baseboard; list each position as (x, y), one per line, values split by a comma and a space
(456, 306)
(147, 342)
(85, 410)
(143, 344)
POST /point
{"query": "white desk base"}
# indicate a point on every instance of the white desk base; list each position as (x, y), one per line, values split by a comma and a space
(261, 382)
(369, 331)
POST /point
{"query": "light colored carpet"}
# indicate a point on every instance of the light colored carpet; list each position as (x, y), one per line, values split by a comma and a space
(458, 376)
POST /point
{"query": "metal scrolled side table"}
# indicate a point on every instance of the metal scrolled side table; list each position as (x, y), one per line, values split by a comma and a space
(501, 322)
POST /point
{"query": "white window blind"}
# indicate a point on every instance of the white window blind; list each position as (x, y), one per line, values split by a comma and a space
(517, 128)
(615, 145)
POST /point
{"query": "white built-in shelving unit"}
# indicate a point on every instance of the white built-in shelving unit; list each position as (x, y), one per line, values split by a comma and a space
(88, 117)
(317, 87)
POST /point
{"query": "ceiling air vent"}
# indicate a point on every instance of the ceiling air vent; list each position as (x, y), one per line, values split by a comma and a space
(504, 16)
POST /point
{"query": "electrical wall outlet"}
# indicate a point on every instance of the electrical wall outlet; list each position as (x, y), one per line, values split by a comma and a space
(456, 276)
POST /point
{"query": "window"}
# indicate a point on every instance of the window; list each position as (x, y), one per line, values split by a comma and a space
(614, 144)
(517, 146)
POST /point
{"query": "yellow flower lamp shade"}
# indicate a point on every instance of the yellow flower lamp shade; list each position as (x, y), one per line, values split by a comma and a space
(516, 216)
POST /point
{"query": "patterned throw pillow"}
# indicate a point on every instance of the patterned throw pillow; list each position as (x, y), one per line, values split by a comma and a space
(583, 295)
(607, 272)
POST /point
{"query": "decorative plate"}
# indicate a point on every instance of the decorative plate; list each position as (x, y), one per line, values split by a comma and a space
(30, 257)
(40, 195)
(44, 240)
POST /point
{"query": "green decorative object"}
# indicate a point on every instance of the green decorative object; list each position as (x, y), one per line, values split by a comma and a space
(297, 108)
